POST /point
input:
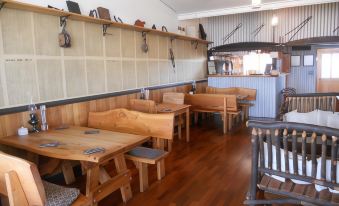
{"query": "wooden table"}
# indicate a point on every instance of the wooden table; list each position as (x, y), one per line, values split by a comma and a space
(73, 141)
(178, 110)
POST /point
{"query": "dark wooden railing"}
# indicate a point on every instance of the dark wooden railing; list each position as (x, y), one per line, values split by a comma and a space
(308, 141)
(310, 102)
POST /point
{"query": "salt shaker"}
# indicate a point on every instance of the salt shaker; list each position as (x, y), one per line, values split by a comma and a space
(44, 125)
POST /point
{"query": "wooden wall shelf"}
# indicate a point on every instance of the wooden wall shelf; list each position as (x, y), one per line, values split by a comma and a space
(49, 11)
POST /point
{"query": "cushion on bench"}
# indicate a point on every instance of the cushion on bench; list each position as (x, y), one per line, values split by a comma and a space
(316, 117)
(147, 153)
(308, 168)
(57, 195)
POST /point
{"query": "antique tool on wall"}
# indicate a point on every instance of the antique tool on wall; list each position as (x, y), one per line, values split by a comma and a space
(140, 23)
(257, 31)
(93, 13)
(202, 32)
(117, 19)
(163, 28)
(228, 36)
(64, 37)
(104, 13)
(144, 46)
(73, 7)
(172, 54)
(298, 28)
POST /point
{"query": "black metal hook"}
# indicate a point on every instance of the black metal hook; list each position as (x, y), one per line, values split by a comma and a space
(63, 21)
(195, 43)
(104, 29)
(2, 4)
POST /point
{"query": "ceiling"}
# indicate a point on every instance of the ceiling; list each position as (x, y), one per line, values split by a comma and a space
(189, 9)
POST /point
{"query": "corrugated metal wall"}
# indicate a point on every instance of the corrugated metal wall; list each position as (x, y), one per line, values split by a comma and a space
(303, 78)
(325, 20)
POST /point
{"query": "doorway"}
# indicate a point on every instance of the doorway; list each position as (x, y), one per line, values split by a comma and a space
(328, 70)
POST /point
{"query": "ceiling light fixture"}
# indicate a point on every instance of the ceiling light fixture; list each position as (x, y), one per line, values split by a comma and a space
(256, 4)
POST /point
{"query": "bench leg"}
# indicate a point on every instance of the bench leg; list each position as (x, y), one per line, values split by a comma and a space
(225, 123)
(196, 117)
(161, 169)
(230, 122)
(143, 176)
(179, 125)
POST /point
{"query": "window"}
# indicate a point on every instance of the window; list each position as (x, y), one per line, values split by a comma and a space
(329, 65)
(258, 62)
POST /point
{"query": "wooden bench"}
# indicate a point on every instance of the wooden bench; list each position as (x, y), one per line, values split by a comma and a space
(226, 105)
(142, 105)
(21, 184)
(305, 151)
(175, 98)
(251, 95)
(159, 126)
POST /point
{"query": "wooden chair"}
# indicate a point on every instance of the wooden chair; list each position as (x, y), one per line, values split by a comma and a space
(20, 182)
(142, 105)
(226, 105)
(154, 125)
(293, 151)
(175, 98)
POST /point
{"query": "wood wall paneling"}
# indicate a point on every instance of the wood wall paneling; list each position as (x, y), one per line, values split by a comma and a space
(95, 64)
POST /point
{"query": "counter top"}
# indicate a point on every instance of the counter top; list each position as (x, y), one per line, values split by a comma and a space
(224, 75)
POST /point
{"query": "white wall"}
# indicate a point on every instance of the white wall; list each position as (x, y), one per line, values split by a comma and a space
(151, 11)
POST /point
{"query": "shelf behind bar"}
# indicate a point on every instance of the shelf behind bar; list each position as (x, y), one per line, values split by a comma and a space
(49, 11)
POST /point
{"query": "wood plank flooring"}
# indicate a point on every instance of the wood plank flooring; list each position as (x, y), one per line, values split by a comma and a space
(213, 169)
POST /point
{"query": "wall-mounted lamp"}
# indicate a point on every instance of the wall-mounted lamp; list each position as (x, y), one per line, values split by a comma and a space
(275, 21)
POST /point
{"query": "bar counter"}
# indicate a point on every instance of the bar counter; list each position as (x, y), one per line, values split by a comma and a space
(268, 89)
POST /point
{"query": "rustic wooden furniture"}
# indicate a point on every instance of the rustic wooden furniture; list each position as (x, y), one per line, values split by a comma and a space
(246, 94)
(226, 105)
(174, 98)
(312, 101)
(73, 141)
(22, 185)
(287, 136)
(142, 105)
(154, 125)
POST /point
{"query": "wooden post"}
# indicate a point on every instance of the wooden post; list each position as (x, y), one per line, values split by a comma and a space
(314, 154)
(254, 175)
(277, 149)
(303, 151)
(294, 152)
(285, 142)
(334, 160)
(187, 125)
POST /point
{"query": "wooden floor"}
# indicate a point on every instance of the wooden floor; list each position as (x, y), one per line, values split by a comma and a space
(213, 169)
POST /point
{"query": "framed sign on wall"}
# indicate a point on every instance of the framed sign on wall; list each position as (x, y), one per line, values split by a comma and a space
(295, 61)
(308, 60)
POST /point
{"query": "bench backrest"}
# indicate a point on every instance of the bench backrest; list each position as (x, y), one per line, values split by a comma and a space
(173, 98)
(22, 180)
(310, 103)
(142, 105)
(133, 122)
(250, 93)
(216, 102)
(315, 141)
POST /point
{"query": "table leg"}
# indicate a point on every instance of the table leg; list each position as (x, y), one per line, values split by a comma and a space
(179, 125)
(92, 181)
(120, 165)
(68, 172)
(187, 125)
